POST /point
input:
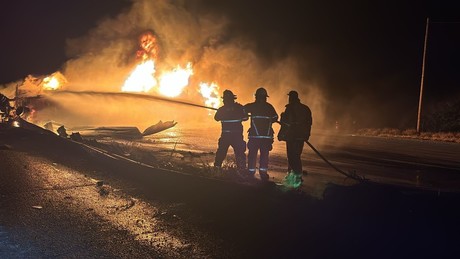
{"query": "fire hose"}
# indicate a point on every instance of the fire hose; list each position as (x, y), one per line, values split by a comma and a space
(351, 175)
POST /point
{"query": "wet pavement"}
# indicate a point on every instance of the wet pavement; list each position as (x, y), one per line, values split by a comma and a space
(419, 164)
(62, 199)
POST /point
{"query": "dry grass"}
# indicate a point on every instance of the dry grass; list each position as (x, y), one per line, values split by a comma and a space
(411, 133)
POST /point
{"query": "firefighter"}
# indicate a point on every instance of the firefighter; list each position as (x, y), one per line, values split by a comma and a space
(260, 133)
(296, 123)
(5, 107)
(231, 115)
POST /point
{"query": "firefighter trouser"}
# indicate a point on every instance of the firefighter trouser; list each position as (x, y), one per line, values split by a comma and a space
(238, 145)
(294, 151)
(254, 145)
(4, 113)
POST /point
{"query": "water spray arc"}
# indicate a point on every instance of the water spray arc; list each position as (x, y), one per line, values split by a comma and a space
(130, 95)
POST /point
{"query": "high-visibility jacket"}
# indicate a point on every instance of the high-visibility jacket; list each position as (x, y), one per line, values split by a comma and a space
(263, 115)
(231, 117)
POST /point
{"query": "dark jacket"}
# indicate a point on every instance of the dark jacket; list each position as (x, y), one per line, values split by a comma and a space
(4, 103)
(297, 117)
(231, 117)
(262, 116)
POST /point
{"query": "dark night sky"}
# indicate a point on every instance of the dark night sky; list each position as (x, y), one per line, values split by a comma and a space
(357, 49)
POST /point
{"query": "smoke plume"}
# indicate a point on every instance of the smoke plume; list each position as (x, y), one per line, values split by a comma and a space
(102, 60)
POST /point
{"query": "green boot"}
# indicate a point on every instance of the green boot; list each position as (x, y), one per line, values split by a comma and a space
(292, 180)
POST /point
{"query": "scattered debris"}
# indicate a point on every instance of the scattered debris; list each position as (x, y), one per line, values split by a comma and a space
(127, 206)
(76, 137)
(160, 126)
(62, 132)
(140, 222)
(104, 191)
(5, 147)
(49, 126)
(38, 207)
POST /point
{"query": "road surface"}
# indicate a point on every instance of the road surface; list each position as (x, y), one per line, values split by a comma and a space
(409, 162)
(61, 199)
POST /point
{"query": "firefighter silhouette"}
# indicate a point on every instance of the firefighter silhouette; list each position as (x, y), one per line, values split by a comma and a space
(231, 115)
(296, 123)
(260, 133)
(5, 107)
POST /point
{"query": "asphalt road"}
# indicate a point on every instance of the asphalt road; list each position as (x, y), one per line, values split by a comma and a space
(414, 163)
(62, 200)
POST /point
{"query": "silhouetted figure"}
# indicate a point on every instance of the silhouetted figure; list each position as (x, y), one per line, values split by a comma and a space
(62, 132)
(296, 123)
(263, 115)
(5, 107)
(231, 115)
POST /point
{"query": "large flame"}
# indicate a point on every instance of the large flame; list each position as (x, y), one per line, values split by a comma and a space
(210, 93)
(50, 83)
(142, 78)
(172, 83)
(54, 81)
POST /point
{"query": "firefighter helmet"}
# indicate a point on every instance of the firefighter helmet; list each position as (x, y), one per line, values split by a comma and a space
(228, 95)
(294, 94)
(261, 92)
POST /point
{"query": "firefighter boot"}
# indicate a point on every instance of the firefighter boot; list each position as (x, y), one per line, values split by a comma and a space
(298, 180)
(264, 175)
(217, 170)
(292, 180)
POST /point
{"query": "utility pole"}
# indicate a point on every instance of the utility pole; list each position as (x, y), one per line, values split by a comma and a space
(423, 76)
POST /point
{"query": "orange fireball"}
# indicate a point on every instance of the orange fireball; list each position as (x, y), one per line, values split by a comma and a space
(149, 47)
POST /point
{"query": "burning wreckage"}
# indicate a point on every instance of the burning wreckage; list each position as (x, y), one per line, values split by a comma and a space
(31, 97)
(116, 132)
(27, 100)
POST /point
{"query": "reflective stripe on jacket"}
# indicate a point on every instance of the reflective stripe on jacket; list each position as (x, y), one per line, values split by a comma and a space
(262, 117)
(231, 117)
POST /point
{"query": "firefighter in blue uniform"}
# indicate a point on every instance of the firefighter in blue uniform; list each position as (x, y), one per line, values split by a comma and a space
(231, 115)
(296, 123)
(260, 136)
